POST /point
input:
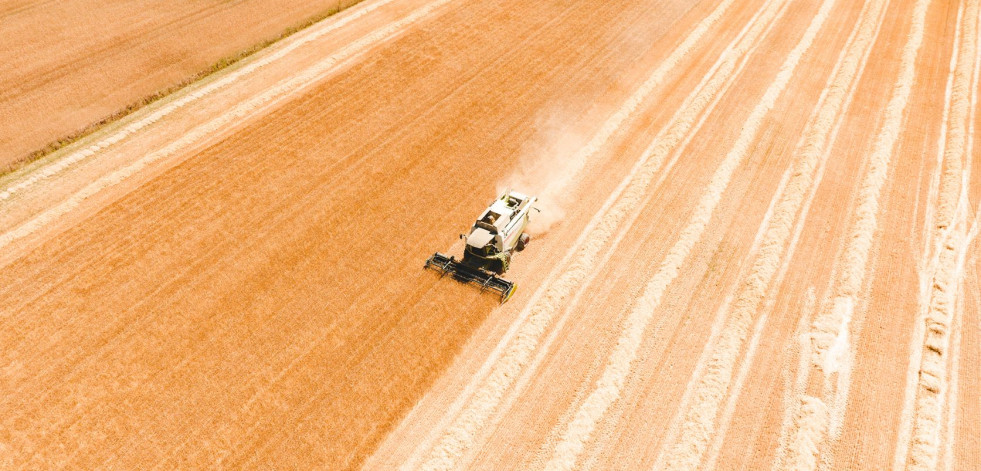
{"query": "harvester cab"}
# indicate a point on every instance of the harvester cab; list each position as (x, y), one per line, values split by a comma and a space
(493, 239)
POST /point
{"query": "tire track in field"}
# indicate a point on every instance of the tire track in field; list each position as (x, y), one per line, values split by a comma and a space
(950, 230)
(515, 350)
(313, 33)
(829, 332)
(280, 91)
(950, 427)
(620, 363)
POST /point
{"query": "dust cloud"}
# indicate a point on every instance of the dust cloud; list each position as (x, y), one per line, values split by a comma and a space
(548, 168)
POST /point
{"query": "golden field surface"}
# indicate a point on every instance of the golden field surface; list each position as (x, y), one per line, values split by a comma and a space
(757, 245)
(68, 64)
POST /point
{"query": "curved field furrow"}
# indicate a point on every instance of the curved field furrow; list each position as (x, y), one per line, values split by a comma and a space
(757, 245)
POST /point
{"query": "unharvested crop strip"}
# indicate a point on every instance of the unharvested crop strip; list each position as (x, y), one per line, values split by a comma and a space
(830, 330)
(518, 346)
(950, 230)
(68, 160)
(698, 424)
(309, 76)
(619, 365)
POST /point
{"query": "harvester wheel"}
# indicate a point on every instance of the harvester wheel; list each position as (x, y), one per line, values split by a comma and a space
(523, 240)
(503, 264)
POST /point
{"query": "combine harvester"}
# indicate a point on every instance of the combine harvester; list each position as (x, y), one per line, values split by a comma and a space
(492, 241)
